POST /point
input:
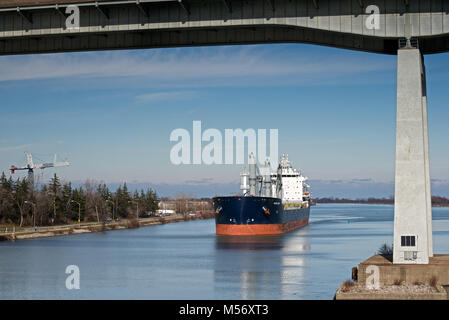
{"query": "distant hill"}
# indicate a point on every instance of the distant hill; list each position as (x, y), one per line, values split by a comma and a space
(343, 189)
(436, 201)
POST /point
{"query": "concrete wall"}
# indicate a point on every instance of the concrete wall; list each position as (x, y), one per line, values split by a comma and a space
(409, 274)
(416, 274)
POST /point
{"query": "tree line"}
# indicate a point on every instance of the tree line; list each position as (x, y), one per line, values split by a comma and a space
(59, 203)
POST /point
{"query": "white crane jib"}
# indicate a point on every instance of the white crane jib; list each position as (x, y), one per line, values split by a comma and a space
(31, 166)
(54, 164)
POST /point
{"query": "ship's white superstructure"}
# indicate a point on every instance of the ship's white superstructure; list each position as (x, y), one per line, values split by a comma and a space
(294, 187)
(287, 183)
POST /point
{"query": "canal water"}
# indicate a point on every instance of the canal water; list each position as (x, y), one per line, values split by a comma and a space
(187, 260)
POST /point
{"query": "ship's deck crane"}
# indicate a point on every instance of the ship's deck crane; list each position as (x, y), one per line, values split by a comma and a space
(31, 166)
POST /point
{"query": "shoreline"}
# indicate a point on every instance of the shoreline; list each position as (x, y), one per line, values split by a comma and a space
(93, 227)
(376, 203)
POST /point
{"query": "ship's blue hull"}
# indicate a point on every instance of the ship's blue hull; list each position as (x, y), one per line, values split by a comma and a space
(257, 216)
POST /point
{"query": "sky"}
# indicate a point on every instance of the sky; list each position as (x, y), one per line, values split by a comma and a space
(111, 114)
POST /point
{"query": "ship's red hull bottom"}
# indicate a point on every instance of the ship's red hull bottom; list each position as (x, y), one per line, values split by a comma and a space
(259, 229)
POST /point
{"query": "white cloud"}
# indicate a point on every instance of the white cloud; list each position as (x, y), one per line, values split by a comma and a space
(10, 148)
(182, 66)
(166, 95)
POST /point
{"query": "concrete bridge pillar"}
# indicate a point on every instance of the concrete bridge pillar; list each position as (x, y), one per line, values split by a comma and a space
(412, 208)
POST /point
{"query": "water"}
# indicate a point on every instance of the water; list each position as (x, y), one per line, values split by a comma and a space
(188, 261)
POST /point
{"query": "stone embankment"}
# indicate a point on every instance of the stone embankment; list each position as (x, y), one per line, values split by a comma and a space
(397, 281)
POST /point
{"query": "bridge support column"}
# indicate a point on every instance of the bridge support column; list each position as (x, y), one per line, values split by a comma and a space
(412, 208)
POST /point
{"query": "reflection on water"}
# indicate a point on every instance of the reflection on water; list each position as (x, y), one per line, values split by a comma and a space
(267, 266)
(274, 242)
(188, 261)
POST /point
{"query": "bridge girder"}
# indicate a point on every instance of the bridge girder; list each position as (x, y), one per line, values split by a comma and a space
(125, 24)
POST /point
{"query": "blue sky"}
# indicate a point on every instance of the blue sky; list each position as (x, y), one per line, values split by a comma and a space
(111, 113)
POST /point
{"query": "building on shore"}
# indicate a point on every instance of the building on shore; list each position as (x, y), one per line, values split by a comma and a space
(185, 206)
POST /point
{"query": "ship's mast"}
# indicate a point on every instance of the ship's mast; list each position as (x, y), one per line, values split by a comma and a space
(244, 182)
(252, 175)
(268, 178)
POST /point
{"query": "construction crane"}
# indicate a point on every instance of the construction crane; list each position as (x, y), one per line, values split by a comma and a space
(31, 166)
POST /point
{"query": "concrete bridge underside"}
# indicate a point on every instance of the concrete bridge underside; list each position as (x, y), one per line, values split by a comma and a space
(38, 26)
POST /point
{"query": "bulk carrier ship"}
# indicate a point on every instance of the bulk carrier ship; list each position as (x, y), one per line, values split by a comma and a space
(273, 203)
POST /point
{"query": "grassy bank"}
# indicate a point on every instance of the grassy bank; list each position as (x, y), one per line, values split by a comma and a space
(52, 231)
